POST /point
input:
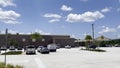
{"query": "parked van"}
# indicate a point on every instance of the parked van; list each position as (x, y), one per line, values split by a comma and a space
(52, 47)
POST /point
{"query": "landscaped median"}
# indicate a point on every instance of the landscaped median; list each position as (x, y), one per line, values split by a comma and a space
(96, 50)
(2, 65)
(12, 53)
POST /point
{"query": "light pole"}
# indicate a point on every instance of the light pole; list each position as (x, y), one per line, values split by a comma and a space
(6, 38)
(93, 32)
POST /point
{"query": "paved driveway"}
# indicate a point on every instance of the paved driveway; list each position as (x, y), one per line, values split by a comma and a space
(69, 58)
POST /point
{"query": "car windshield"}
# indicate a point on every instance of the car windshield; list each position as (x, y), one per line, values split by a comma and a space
(44, 47)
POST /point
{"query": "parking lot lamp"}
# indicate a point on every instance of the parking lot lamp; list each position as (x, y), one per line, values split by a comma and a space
(6, 38)
(93, 32)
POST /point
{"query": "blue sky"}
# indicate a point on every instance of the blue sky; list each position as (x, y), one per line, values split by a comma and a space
(61, 17)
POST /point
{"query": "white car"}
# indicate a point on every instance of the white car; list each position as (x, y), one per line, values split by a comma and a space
(30, 49)
(11, 48)
(68, 46)
(39, 48)
(3, 48)
(52, 47)
(117, 45)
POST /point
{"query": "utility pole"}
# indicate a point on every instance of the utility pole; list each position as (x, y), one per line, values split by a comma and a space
(6, 38)
(93, 32)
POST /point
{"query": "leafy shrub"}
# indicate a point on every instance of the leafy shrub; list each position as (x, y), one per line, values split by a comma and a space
(12, 53)
(97, 50)
(17, 66)
(2, 65)
(9, 66)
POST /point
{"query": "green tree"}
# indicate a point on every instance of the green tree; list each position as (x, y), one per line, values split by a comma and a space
(88, 38)
(36, 36)
(101, 41)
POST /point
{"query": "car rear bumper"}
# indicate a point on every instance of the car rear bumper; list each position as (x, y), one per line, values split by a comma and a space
(30, 52)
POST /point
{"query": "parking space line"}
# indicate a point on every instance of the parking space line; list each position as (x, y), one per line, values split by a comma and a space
(39, 63)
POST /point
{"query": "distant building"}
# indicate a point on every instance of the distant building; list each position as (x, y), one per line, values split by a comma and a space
(102, 38)
(24, 40)
(81, 42)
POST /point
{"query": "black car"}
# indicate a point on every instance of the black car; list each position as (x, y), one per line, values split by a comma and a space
(44, 50)
(19, 48)
(92, 46)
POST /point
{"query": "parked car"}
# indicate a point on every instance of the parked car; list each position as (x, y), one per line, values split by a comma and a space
(117, 45)
(68, 46)
(58, 47)
(39, 48)
(52, 47)
(108, 45)
(92, 46)
(19, 48)
(3, 48)
(30, 49)
(44, 50)
(11, 48)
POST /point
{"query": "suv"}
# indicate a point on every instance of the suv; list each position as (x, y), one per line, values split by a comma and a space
(11, 48)
(3, 48)
(30, 49)
(52, 47)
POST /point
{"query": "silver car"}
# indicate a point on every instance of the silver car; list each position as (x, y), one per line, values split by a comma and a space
(11, 48)
(30, 49)
(67, 46)
(52, 47)
(3, 48)
(39, 48)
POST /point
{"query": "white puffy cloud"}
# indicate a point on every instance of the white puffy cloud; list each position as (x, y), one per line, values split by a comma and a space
(73, 36)
(118, 36)
(54, 20)
(9, 31)
(51, 15)
(85, 17)
(9, 16)
(66, 8)
(118, 27)
(6, 3)
(86, 34)
(42, 32)
(118, 9)
(103, 26)
(14, 32)
(55, 17)
(107, 30)
(105, 10)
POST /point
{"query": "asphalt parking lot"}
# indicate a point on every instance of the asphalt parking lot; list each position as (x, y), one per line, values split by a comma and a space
(68, 58)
